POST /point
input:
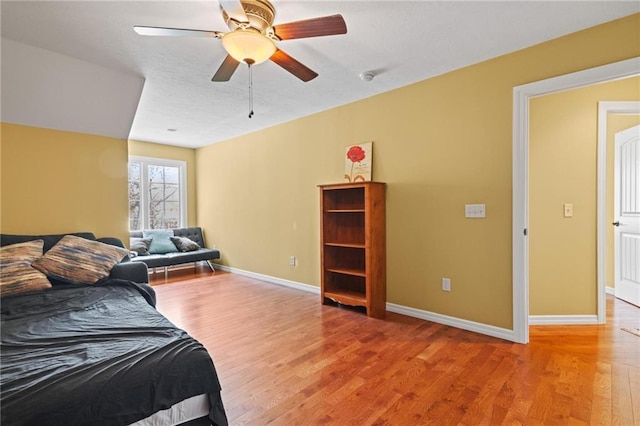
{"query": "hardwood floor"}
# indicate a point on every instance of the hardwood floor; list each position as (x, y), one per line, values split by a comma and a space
(285, 359)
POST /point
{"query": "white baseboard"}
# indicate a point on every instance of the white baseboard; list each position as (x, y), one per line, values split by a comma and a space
(563, 319)
(610, 290)
(476, 327)
(268, 278)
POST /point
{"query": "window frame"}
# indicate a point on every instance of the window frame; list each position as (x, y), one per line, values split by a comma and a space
(145, 162)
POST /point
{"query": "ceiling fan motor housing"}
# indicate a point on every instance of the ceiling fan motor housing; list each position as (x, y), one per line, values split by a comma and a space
(260, 14)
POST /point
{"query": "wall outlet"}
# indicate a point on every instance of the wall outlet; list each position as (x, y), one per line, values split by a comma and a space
(474, 210)
(446, 284)
(292, 261)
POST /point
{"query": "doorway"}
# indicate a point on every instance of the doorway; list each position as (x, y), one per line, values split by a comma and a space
(522, 96)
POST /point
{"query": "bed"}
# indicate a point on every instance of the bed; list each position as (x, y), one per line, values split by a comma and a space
(101, 355)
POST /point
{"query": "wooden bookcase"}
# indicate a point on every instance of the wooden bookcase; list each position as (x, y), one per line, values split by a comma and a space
(353, 245)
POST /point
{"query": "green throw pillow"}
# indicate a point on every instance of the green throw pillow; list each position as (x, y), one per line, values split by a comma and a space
(161, 241)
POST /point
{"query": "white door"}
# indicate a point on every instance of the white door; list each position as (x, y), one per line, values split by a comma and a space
(627, 215)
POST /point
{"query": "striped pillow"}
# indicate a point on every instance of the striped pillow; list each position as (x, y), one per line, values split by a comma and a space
(16, 274)
(77, 260)
(185, 244)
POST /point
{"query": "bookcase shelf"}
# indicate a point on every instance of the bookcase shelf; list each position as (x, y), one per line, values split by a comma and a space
(346, 245)
(353, 241)
(344, 271)
(345, 297)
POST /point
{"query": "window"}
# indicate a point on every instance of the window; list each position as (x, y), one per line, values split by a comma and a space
(157, 193)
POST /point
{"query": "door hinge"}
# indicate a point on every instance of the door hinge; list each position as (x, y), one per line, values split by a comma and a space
(525, 232)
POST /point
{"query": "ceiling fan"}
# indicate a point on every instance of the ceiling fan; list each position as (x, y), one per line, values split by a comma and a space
(252, 37)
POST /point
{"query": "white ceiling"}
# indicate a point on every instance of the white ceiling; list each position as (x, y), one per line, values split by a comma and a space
(402, 42)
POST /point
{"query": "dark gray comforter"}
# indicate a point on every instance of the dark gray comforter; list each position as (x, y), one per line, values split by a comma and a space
(76, 355)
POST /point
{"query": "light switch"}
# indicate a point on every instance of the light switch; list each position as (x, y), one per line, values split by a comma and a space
(474, 210)
(568, 210)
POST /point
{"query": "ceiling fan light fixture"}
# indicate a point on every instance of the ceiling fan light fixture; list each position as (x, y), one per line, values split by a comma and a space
(248, 46)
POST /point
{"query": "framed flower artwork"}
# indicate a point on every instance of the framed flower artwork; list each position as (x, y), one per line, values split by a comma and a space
(357, 164)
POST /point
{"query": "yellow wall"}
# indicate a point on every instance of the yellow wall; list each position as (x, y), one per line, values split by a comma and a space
(55, 182)
(615, 124)
(562, 169)
(438, 144)
(188, 155)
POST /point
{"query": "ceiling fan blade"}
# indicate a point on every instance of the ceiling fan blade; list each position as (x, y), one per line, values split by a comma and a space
(234, 9)
(294, 67)
(226, 70)
(175, 32)
(327, 25)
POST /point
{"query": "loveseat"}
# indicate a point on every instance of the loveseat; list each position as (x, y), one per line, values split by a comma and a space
(175, 256)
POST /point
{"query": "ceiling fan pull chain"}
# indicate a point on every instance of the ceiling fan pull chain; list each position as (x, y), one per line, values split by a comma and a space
(249, 62)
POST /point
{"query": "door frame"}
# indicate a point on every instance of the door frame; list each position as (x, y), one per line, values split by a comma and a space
(520, 185)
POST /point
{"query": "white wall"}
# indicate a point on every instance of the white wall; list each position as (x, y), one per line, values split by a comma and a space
(49, 90)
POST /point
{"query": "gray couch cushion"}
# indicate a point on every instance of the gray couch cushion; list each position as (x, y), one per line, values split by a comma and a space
(195, 256)
(194, 233)
(153, 260)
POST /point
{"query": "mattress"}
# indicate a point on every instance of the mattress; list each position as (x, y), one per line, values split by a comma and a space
(184, 411)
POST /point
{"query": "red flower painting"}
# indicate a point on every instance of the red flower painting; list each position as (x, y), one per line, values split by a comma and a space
(358, 154)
